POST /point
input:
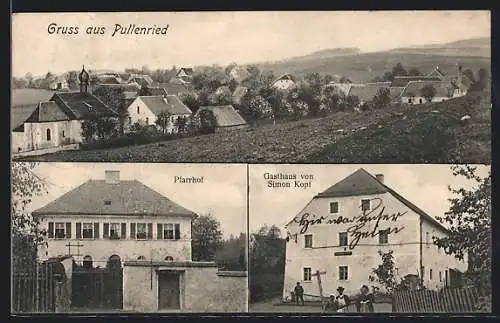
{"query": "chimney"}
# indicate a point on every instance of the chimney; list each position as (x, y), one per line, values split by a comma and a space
(380, 178)
(112, 176)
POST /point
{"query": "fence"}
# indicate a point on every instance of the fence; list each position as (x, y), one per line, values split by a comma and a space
(452, 300)
(39, 289)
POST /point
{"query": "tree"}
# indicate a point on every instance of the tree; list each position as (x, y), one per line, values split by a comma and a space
(352, 101)
(385, 273)
(29, 79)
(428, 92)
(344, 80)
(388, 76)
(99, 129)
(26, 235)
(207, 238)
(72, 79)
(469, 219)
(399, 70)
(207, 121)
(232, 253)
(163, 120)
(229, 68)
(414, 72)
(470, 75)
(382, 98)
(115, 99)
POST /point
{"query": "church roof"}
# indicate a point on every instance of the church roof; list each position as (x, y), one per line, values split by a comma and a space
(47, 112)
(127, 197)
(363, 183)
(82, 105)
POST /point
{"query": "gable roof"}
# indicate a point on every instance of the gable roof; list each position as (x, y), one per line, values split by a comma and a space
(173, 88)
(157, 91)
(239, 93)
(443, 88)
(436, 72)
(363, 183)
(366, 92)
(109, 79)
(187, 70)
(129, 197)
(402, 81)
(48, 112)
(225, 115)
(170, 104)
(285, 77)
(82, 105)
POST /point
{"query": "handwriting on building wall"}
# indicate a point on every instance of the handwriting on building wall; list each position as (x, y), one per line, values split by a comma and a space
(360, 228)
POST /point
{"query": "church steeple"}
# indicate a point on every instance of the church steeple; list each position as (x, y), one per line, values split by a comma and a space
(84, 80)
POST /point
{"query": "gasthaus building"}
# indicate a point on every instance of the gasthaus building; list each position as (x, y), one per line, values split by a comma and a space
(106, 220)
(341, 230)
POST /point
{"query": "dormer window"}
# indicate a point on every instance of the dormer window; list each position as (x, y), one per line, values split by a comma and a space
(89, 106)
(334, 207)
(365, 205)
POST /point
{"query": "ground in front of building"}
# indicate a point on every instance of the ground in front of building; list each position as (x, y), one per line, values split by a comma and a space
(274, 305)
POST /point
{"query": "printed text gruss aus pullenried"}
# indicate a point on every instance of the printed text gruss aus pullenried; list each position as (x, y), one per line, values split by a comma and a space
(118, 29)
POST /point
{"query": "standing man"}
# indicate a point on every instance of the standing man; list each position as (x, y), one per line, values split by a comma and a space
(342, 300)
(299, 293)
(365, 301)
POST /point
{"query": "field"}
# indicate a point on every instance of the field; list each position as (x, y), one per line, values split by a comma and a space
(398, 134)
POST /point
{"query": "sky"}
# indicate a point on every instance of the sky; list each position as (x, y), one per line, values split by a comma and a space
(223, 193)
(425, 185)
(206, 38)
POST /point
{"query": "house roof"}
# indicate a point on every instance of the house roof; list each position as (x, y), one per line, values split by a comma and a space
(363, 183)
(187, 70)
(157, 91)
(158, 104)
(109, 79)
(443, 88)
(143, 80)
(225, 115)
(82, 105)
(173, 88)
(47, 112)
(367, 91)
(436, 72)
(125, 87)
(129, 197)
(285, 77)
(402, 81)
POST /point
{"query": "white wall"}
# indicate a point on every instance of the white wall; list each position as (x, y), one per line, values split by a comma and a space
(364, 256)
(101, 249)
(17, 142)
(140, 116)
(61, 133)
(435, 258)
(416, 99)
(283, 84)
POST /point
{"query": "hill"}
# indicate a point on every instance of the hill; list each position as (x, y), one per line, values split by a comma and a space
(362, 67)
(397, 134)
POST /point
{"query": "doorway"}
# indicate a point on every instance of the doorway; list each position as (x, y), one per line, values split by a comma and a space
(169, 290)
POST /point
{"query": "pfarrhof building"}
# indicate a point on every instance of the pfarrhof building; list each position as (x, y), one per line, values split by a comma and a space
(340, 232)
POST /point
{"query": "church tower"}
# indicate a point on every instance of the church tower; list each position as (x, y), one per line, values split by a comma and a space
(84, 80)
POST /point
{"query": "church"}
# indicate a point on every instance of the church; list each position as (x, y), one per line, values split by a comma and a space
(340, 232)
(58, 121)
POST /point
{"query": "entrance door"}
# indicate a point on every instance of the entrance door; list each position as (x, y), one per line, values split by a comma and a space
(168, 291)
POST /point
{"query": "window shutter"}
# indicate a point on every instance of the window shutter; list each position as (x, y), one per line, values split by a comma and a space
(177, 233)
(124, 231)
(51, 230)
(96, 230)
(78, 230)
(150, 231)
(132, 231)
(68, 230)
(105, 230)
(159, 231)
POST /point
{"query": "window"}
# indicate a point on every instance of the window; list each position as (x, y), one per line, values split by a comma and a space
(343, 241)
(440, 277)
(430, 274)
(59, 230)
(334, 207)
(141, 258)
(144, 231)
(420, 100)
(129, 120)
(308, 241)
(138, 111)
(147, 120)
(427, 239)
(446, 277)
(169, 258)
(383, 236)
(307, 274)
(343, 273)
(63, 134)
(48, 134)
(87, 231)
(365, 205)
(409, 100)
(168, 231)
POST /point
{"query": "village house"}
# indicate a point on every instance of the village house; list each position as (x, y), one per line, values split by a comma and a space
(225, 116)
(141, 79)
(145, 110)
(57, 122)
(145, 239)
(174, 89)
(183, 76)
(284, 83)
(59, 83)
(341, 230)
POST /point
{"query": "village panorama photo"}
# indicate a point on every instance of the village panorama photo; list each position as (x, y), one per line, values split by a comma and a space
(128, 238)
(252, 87)
(370, 238)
